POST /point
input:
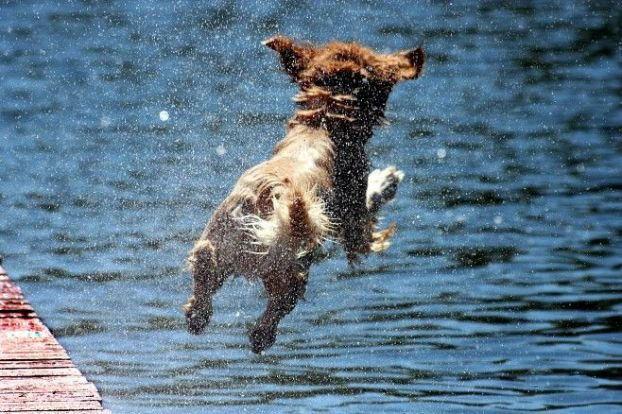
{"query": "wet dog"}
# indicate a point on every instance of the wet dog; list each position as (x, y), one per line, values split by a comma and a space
(316, 186)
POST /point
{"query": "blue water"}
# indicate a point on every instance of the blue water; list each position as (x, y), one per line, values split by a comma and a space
(501, 293)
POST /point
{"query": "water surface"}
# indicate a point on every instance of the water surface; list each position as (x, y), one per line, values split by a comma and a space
(501, 292)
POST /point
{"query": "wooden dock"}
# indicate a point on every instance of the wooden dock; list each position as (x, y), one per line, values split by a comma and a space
(36, 374)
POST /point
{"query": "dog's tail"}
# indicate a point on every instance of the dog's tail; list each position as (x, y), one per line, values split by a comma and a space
(308, 221)
(298, 221)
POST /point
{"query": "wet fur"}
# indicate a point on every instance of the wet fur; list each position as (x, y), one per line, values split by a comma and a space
(315, 187)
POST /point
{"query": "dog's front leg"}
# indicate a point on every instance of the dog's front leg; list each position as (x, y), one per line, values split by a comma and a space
(284, 289)
(381, 188)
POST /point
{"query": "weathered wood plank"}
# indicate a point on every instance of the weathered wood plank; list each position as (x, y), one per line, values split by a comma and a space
(31, 387)
(17, 315)
(49, 405)
(66, 412)
(34, 364)
(29, 355)
(78, 395)
(40, 383)
(15, 305)
(36, 374)
(33, 325)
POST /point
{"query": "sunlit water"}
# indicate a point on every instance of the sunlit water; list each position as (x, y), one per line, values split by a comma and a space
(123, 124)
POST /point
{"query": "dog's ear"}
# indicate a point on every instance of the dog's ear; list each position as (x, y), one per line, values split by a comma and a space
(294, 57)
(411, 64)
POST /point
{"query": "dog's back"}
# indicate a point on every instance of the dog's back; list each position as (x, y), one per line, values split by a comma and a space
(276, 210)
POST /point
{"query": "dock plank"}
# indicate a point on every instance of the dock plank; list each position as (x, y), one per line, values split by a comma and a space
(65, 412)
(36, 374)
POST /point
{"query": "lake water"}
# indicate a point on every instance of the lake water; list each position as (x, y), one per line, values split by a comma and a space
(502, 291)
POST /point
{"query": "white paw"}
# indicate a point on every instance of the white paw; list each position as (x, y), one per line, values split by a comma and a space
(382, 186)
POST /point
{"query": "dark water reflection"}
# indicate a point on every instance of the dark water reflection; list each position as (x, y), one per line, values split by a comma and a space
(502, 291)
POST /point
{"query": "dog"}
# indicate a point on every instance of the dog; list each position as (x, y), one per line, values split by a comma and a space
(316, 186)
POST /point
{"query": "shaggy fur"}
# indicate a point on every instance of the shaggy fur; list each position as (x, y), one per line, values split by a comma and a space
(316, 186)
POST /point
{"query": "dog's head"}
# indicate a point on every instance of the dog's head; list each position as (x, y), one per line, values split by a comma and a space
(347, 69)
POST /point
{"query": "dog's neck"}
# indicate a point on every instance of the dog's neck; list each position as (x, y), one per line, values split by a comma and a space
(344, 117)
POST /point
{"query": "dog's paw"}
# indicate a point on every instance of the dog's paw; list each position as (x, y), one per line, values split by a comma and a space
(196, 318)
(262, 338)
(381, 239)
(382, 186)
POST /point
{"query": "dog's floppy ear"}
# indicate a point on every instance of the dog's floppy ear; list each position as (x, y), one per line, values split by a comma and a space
(294, 57)
(411, 63)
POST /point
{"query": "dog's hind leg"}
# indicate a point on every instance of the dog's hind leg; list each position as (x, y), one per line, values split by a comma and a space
(207, 279)
(284, 289)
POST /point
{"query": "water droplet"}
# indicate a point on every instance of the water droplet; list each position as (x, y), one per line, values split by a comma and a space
(105, 122)
(221, 150)
(164, 116)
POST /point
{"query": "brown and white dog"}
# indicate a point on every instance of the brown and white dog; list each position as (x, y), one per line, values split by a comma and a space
(316, 186)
